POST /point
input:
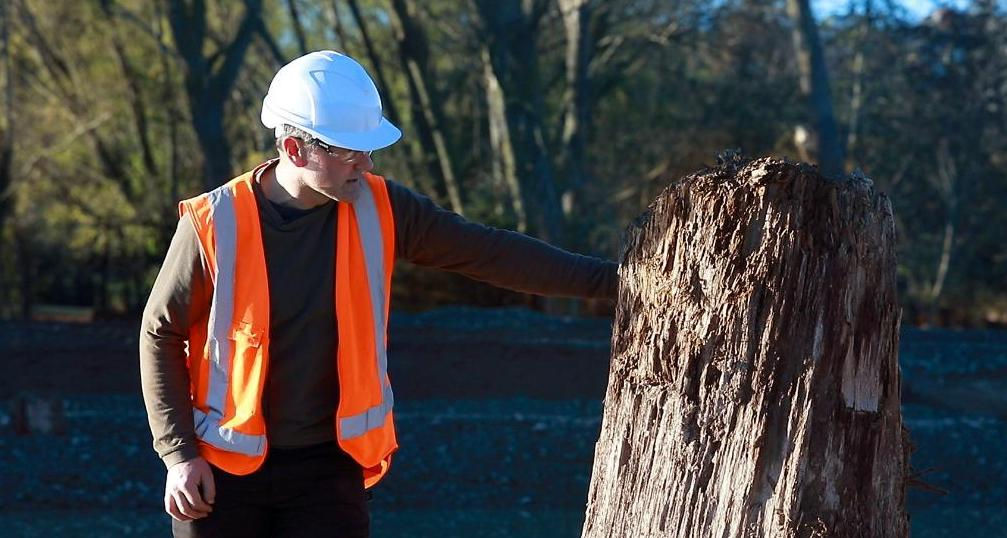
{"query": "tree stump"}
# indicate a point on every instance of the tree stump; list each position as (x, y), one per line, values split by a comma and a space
(754, 385)
(38, 414)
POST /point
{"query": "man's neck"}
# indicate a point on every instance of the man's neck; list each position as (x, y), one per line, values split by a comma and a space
(281, 184)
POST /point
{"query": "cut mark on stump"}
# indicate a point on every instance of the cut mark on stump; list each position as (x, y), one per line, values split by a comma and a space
(861, 381)
(816, 346)
(753, 233)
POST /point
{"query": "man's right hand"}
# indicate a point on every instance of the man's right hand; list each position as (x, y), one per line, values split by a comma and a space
(189, 490)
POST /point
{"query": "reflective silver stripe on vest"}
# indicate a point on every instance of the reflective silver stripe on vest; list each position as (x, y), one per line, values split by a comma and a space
(357, 425)
(369, 228)
(209, 431)
(208, 428)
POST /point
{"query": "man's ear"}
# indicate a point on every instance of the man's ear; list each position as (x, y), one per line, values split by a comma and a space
(294, 150)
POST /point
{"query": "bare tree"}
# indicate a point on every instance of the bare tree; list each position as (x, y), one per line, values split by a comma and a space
(944, 179)
(859, 74)
(428, 114)
(210, 78)
(576, 16)
(272, 48)
(337, 24)
(295, 21)
(25, 253)
(815, 86)
(375, 59)
(137, 102)
(7, 135)
(64, 80)
(6, 139)
(502, 162)
(512, 28)
(169, 98)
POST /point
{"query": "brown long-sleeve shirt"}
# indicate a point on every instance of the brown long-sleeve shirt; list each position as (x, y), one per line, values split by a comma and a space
(301, 391)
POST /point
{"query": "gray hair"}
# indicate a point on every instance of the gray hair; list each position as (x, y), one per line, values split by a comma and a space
(285, 129)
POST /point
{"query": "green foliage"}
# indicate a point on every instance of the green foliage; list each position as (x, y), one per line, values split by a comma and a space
(104, 144)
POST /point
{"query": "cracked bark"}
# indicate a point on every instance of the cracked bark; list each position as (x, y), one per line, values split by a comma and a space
(754, 387)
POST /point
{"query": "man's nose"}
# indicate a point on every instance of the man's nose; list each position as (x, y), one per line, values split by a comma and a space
(364, 162)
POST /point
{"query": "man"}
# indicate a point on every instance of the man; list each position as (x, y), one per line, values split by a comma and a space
(262, 348)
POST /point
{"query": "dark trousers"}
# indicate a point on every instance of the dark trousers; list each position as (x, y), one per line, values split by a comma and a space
(313, 491)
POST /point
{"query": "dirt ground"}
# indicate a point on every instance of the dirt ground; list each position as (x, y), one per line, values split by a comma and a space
(497, 410)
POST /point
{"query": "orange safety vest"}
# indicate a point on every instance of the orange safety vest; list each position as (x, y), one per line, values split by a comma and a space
(228, 357)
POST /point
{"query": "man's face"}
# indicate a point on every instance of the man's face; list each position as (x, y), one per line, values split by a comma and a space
(335, 173)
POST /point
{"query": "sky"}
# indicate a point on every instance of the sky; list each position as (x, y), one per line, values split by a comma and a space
(916, 8)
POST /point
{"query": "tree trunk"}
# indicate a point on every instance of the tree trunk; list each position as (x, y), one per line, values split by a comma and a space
(133, 83)
(267, 40)
(577, 102)
(754, 387)
(503, 165)
(208, 83)
(815, 86)
(109, 155)
(295, 21)
(26, 267)
(512, 28)
(946, 181)
(337, 26)
(379, 72)
(6, 149)
(427, 110)
(7, 135)
(102, 301)
(859, 74)
(168, 100)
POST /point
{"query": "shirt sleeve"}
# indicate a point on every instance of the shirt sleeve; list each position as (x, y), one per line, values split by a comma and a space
(429, 235)
(180, 296)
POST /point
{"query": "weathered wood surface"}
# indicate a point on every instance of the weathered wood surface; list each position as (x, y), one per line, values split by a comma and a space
(754, 386)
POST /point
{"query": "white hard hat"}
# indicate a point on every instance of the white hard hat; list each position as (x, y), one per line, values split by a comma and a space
(330, 96)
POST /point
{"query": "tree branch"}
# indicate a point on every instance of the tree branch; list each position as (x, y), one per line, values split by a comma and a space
(267, 39)
(224, 79)
(295, 20)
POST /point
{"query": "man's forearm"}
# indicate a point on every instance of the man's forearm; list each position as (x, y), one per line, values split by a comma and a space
(180, 296)
(164, 380)
(516, 261)
(434, 237)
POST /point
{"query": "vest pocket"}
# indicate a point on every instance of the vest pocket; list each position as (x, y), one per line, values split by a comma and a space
(247, 375)
(248, 356)
(245, 335)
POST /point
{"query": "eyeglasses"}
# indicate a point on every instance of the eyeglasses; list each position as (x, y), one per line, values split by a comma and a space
(346, 155)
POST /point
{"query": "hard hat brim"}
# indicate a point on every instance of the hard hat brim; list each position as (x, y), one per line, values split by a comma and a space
(382, 136)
